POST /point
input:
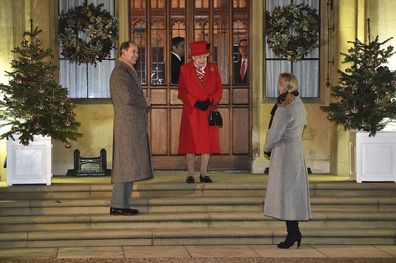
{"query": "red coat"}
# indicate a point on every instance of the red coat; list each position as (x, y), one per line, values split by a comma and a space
(196, 136)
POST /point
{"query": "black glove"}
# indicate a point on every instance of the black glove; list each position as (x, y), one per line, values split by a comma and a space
(202, 105)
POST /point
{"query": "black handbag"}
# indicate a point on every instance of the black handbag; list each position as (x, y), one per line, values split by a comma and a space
(214, 117)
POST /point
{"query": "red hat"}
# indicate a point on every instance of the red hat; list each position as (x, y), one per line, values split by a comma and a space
(199, 48)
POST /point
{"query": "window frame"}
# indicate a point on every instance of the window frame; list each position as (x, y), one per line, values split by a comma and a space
(113, 57)
(319, 59)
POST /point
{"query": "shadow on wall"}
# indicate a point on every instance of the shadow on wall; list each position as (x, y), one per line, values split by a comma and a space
(97, 129)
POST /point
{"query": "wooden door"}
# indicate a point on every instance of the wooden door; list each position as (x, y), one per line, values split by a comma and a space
(224, 24)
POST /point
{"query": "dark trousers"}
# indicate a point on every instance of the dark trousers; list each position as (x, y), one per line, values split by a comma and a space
(121, 195)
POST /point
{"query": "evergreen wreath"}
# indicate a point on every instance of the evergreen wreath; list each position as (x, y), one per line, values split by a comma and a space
(87, 33)
(292, 31)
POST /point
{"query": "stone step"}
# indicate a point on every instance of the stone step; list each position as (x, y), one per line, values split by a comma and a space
(182, 214)
(73, 191)
(182, 220)
(193, 236)
(188, 204)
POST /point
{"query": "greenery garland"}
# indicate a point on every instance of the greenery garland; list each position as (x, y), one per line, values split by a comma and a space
(292, 31)
(87, 33)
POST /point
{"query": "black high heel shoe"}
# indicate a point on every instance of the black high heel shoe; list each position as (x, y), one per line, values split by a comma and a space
(205, 179)
(190, 179)
(290, 240)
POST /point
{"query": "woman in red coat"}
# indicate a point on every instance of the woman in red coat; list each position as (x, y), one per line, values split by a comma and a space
(200, 89)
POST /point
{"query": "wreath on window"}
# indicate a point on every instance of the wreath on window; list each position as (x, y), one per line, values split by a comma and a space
(87, 33)
(292, 31)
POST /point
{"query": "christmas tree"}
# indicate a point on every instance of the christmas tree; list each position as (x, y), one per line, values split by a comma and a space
(366, 91)
(33, 103)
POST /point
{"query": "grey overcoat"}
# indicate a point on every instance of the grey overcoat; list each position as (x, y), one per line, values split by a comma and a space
(287, 196)
(131, 151)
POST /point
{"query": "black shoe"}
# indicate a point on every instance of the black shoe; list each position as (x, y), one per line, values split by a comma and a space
(205, 179)
(290, 240)
(123, 211)
(190, 179)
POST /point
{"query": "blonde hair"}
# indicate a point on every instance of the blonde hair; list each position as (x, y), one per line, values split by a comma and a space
(290, 83)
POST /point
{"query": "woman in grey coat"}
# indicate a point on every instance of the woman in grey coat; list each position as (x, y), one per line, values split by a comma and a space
(287, 196)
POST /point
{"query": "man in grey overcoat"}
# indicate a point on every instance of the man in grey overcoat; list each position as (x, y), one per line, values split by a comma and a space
(131, 151)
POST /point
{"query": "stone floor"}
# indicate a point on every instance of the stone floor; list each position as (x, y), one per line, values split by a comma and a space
(245, 253)
(179, 177)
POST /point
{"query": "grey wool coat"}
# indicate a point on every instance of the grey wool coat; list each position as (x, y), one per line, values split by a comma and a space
(287, 196)
(131, 150)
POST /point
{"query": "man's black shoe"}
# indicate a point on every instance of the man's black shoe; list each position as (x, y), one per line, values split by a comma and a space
(123, 211)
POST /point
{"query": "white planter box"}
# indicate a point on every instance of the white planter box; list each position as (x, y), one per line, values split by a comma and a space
(29, 164)
(374, 158)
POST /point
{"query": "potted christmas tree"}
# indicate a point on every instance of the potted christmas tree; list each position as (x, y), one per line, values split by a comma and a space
(34, 109)
(366, 104)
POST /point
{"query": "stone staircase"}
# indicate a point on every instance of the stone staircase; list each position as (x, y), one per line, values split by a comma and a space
(181, 214)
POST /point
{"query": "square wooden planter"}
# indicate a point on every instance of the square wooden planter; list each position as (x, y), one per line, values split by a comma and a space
(31, 164)
(373, 159)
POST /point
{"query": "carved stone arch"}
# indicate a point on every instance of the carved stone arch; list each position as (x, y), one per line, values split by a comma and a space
(178, 27)
(138, 34)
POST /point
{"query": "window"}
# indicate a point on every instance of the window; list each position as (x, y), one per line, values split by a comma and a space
(306, 70)
(86, 81)
(149, 28)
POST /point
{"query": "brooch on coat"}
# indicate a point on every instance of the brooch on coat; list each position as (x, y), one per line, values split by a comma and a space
(212, 68)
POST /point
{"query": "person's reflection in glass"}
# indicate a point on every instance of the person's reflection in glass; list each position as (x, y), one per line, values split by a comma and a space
(241, 73)
(177, 58)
